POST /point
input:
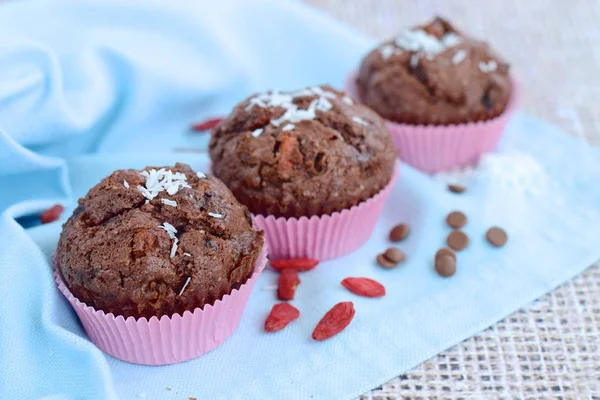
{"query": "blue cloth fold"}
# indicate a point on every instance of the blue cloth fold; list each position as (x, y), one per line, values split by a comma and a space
(116, 84)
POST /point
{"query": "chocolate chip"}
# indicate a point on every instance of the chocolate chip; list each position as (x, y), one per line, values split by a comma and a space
(394, 255)
(457, 188)
(444, 251)
(399, 232)
(384, 262)
(456, 219)
(458, 240)
(445, 265)
(391, 258)
(496, 236)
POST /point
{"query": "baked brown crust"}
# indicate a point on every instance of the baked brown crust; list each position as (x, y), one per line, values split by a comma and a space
(434, 75)
(304, 153)
(118, 254)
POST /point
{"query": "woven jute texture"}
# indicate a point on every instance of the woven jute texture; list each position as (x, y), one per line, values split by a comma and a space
(551, 348)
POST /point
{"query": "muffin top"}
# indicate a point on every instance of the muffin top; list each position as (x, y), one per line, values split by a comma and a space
(434, 75)
(157, 242)
(304, 153)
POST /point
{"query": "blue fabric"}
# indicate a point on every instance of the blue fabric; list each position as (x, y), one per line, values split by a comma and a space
(109, 85)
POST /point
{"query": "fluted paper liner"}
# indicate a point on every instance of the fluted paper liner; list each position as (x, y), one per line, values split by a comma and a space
(434, 148)
(167, 340)
(327, 236)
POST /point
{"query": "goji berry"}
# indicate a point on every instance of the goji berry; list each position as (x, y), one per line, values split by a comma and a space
(280, 316)
(206, 124)
(288, 282)
(298, 264)
(51, 214)
(364, 287)
(334, 321)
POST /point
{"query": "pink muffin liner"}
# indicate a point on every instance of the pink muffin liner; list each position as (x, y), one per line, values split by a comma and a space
(327, 236)
(167, 340)
(434, 148)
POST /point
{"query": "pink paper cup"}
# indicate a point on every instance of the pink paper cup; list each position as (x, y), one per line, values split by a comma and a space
(167, 340)
(434, 148)
(327, 236)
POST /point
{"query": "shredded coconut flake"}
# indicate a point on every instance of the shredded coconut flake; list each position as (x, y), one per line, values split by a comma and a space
(459, 56)
(489, 66)
(271, 99)
(388, 50)
(516, 171)
(323, 104)
(451, 39)
(168, 202)
(187, 254)
(418, 40)
(216, 215)
(288, 127)
(162, 180)
(145, 192)
(293, 113)
(185, 285)
(360, 121)
(170, 229)
(126, 184)
(257, 132)
(414, 60)
(347, 100)
(174, 248)
(201, 175)
(323, 93)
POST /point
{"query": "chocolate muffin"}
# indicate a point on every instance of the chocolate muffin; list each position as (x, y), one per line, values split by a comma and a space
(157, 242)
(434, 75)
(304, 153)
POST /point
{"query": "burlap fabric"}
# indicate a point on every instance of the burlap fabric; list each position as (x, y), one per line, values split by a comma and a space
(551, 348)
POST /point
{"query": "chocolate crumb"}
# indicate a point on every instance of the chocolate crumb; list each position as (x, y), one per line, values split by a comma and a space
(458, 240)
(496, 236)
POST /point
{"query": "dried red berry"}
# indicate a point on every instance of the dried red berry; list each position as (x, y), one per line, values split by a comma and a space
(298, 264)
(288, 282)
(334, 321)
(364, 287)
(280, 316)
(51, 214)
(206, 124)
